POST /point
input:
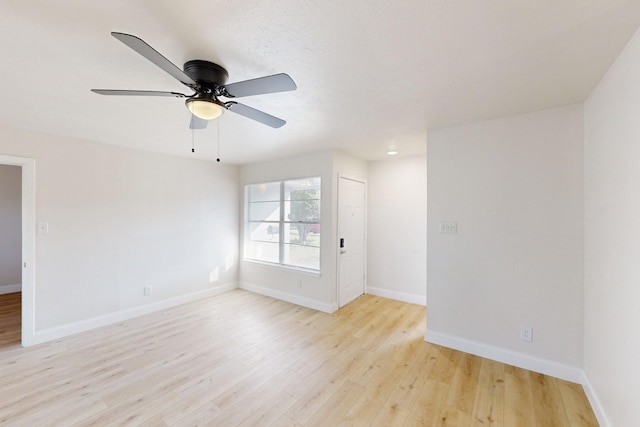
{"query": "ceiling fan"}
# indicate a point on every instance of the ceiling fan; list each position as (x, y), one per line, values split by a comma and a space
(207, 80)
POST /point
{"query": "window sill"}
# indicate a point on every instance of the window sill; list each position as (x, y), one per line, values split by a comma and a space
(290, 268)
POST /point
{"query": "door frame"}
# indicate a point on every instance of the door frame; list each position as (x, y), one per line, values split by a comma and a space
(28, 167)
(337, 249)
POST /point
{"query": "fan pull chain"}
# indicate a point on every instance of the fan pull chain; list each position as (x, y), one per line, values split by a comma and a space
(193, 150)
(218, 158)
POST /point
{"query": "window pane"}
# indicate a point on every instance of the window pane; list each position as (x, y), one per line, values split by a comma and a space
(302, 256)
(267, 192)
(302, 234)
(263, 251)
(302, 200)
(304, 184)
(264, 211)
(264, 231)
(302, 211)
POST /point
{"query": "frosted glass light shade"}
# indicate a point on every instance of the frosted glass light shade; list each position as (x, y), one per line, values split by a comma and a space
(204, 108)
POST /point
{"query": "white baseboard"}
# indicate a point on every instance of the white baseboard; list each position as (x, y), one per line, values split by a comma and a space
(521, 360)
(51, 334)
(9, 289)
(601, 415)
(399, 296)
(292, 298)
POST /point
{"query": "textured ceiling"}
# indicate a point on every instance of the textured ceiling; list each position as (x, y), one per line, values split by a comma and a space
(370, 73)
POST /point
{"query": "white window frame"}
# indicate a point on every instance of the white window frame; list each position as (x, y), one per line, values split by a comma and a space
(281, 223)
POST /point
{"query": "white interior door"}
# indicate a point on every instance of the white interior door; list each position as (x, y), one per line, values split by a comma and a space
(351, 240)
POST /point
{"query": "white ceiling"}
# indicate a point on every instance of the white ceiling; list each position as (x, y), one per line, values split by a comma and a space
(370, 73)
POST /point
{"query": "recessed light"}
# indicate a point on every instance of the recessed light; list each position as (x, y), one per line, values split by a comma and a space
(392, 152)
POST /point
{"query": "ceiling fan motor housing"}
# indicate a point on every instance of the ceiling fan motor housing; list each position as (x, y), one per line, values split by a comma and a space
(206, 73)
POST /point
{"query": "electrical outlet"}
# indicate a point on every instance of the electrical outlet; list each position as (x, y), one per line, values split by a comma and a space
(449, 227)
(526, 333)
(147, 290)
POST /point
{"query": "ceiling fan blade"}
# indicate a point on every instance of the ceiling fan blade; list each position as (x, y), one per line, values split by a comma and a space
(154, 56)
(254, 114)
(138, 93)
(197, 122)
(262, 85)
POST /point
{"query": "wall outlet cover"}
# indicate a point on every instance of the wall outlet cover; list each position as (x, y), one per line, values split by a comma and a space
(526, 333)
(448, 227)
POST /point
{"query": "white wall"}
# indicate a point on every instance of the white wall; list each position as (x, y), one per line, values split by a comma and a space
(397, 229)
(317, 291)
(10, 228)
(514, 186)
(121, 219)
(612, 240)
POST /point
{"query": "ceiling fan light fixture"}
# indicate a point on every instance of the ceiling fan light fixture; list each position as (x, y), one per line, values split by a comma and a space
(208, 81)
(206, 109)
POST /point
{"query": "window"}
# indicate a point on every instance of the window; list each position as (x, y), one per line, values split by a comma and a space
(283, 223)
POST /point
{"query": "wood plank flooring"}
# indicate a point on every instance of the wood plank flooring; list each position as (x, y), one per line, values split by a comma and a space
(242, 359)
(10, 319)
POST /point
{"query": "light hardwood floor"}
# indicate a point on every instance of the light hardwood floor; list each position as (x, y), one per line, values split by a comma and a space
(241, 359)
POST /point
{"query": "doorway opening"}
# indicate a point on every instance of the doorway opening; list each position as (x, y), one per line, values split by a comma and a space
(17, 301)
(10, 254)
